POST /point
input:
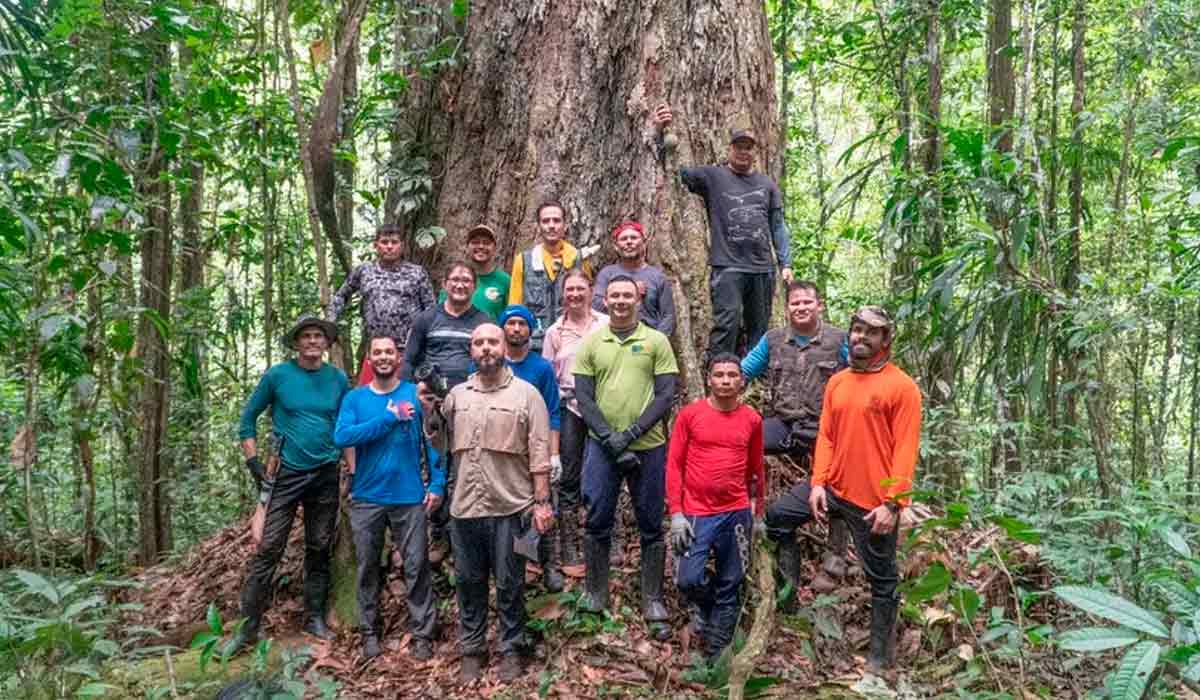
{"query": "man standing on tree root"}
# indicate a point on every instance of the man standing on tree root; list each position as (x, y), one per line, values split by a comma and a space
(657, 307)
(745, 217)
(862, 468)
(382, 421)
(517, 323)
(798, 361)
(624, 384)
(304, 395)
(714, 470)
(393, 292)
(500, 434)
(537, 273)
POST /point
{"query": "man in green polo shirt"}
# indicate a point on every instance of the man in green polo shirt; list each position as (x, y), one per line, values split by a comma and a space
(624, 384)
(491, 282)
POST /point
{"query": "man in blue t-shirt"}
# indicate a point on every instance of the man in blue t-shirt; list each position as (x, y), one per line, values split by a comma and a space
(303, 394)
(382, 421)
(518, 322)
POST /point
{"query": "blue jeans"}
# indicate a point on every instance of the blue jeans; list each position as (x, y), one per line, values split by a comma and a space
(647, 489)
(727, 537)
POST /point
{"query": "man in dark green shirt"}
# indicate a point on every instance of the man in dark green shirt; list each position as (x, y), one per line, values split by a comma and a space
(304, 394)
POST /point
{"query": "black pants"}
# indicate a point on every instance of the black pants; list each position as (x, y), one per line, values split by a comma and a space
(741, 301)
(877, 552)
(484, 546)
(647, 489)
(368, 521)
(317, 490)
(572, 438)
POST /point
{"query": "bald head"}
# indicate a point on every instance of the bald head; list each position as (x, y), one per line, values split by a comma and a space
(487, 349)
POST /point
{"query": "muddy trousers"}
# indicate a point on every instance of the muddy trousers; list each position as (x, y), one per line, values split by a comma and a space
(407, 522)
(876, 552)
(317, 490)
(483, 547)
(726, 537)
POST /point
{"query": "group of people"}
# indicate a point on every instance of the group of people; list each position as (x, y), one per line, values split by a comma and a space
(493, 414)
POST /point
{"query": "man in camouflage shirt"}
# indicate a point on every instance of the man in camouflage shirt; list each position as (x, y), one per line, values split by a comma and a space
(393, 292)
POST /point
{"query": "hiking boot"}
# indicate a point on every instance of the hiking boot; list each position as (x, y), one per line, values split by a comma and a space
(472, 668)
(882, 653)
(653, 562)
(552, 576)
(510, 668)
(421, 649)
(595, 555)
(616, 547)
(316, 627)
(370, 646)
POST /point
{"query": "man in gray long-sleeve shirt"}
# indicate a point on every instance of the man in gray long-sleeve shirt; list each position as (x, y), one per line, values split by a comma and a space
(745, 219)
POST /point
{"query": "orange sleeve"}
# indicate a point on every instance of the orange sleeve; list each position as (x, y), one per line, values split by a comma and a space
(823, 451)
(906, 427)
(676, 462)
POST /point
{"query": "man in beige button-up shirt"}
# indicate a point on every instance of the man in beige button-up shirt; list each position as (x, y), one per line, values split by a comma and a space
(499, 440)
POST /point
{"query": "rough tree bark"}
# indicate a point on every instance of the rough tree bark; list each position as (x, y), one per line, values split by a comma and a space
(556, 101)
(1071, 272)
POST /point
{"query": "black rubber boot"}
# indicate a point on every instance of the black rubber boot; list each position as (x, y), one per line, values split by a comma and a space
(835, 561)
(882, 654)
(789, 562)
(552, 576)
(315, 625)
(572, 554)
(370, 645)
(654, 558)
(246, 637)
(595, 555)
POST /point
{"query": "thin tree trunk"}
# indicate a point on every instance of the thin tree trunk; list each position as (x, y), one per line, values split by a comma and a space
(1194, 417)
(1071, 275)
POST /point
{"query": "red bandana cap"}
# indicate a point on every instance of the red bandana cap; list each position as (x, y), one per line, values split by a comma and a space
(628, 224)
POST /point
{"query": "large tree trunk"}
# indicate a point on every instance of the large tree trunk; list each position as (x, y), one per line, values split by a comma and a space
(556, 101)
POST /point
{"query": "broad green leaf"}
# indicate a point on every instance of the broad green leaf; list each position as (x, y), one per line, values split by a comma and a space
(1181, 599)
(966, 602)
(935, 580)
(1176, 542)
(94, 690)
(1018, 530)
(213, 618)
(35, 583)
(1110, 607)
(1097, 638)
(1130, 679)
(79, 606)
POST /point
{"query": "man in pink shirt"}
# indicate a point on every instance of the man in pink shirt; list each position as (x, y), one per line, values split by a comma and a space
(714, 466)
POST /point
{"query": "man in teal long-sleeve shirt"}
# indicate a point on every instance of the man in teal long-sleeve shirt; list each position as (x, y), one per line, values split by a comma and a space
(304, 395)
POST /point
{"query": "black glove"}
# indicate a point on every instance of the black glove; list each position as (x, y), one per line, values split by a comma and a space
(255, 465)
(617, 443)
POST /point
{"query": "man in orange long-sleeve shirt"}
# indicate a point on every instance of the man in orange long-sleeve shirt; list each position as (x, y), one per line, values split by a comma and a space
(863, 467)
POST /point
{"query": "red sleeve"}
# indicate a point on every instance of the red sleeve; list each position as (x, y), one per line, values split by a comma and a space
(823, 452)
(676, 461)
(756, 471)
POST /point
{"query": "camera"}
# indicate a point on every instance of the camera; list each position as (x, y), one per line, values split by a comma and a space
(431, 376)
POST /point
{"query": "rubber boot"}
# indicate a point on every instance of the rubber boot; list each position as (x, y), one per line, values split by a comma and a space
(572, 555)
(789, 562)
(882, 654)
(595, 556)
(552, 576)
(315, 625)
(246, 637)
(654, 557)
(370, 645)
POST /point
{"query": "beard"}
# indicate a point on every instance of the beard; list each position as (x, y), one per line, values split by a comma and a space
(386, 372)
(488, 364)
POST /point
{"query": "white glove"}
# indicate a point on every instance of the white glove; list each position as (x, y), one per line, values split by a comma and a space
(555, 469)
(682, 534)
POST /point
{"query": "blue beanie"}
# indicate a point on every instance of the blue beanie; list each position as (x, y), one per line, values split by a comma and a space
(519, 311)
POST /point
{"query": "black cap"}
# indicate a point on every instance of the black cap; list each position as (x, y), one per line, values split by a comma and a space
(736, 135)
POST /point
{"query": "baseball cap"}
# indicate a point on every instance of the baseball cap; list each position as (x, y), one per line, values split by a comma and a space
(481, 230)
(736, 135)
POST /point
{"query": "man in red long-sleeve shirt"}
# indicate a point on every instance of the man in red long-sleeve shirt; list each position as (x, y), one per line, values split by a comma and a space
(863, 468)
(714, 465)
